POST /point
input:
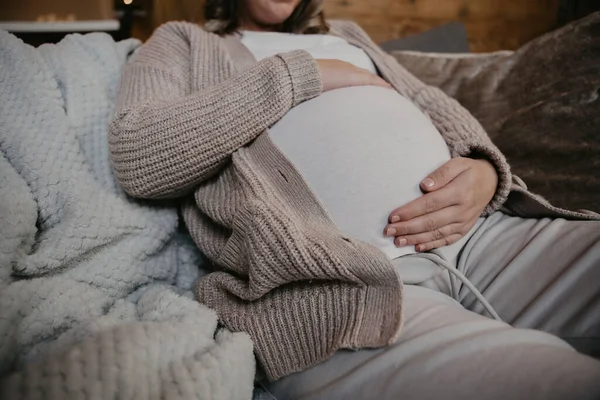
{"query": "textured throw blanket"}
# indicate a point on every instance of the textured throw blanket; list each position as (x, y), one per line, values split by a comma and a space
(95, 299)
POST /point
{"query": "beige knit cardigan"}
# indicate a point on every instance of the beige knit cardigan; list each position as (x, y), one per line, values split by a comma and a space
(191, 118)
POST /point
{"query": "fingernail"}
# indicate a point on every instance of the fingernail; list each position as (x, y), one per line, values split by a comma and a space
(395, 218)
(390, 231)
(428, 182)
(401, 242)
(420, 247)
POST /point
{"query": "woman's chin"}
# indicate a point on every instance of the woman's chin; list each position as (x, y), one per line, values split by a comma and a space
(278, 14)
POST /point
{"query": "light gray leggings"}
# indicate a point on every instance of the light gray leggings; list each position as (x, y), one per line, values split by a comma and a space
(541, 276)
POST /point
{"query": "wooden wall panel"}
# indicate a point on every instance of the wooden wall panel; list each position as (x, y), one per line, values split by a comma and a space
(491, 24)
(30, 10)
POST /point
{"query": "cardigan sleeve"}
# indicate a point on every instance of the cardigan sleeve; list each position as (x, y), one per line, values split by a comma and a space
(165, 139)
(463, 134)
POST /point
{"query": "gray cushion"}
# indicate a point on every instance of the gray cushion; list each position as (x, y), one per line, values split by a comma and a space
(449, 38)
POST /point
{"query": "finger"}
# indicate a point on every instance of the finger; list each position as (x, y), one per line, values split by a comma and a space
(444, 174)
(426, 204)
(378, 81)
(436, 244)
(370, 79)
(431, 236)
(367, 78)
(430, 222)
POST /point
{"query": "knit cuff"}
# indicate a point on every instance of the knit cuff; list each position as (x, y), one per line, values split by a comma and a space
(304, 73)
(466, 138)
(497, 159)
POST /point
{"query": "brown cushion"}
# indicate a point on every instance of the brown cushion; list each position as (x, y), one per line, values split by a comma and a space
(540, 105)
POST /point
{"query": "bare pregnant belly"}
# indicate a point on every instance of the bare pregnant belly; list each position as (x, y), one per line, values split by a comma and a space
(363, 151)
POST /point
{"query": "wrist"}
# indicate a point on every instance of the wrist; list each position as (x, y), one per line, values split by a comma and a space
(489, 176)
(304, 74)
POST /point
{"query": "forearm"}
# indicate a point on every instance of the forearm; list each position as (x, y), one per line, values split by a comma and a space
(465, 137)
(463, 134)
(164, 148)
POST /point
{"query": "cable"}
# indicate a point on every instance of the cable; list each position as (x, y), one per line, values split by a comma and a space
(439, 260)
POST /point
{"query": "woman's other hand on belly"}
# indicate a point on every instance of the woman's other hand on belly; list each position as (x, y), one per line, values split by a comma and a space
(336, 74)
(455, 196)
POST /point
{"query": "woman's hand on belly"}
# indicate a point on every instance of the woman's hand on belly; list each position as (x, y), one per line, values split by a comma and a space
(336, 74)
(455, 196)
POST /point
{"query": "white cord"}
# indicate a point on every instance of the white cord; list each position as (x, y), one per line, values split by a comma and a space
(439, 260)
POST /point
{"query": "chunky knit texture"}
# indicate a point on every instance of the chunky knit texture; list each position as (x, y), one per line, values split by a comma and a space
(191, 113)
(96, 296)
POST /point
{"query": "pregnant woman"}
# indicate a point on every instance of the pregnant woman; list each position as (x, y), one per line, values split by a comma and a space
(318, 175)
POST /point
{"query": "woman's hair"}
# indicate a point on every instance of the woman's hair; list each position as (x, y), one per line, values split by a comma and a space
(221, 17)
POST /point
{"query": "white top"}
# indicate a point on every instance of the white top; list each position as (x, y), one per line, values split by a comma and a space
(267, 44)
(362, 150)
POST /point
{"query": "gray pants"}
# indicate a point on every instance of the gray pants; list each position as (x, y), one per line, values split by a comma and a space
(541, 276)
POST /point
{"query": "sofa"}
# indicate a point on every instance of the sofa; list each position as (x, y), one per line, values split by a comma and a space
(96, 287)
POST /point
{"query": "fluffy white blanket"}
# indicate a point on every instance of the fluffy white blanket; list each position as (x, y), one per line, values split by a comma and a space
(95, 299)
